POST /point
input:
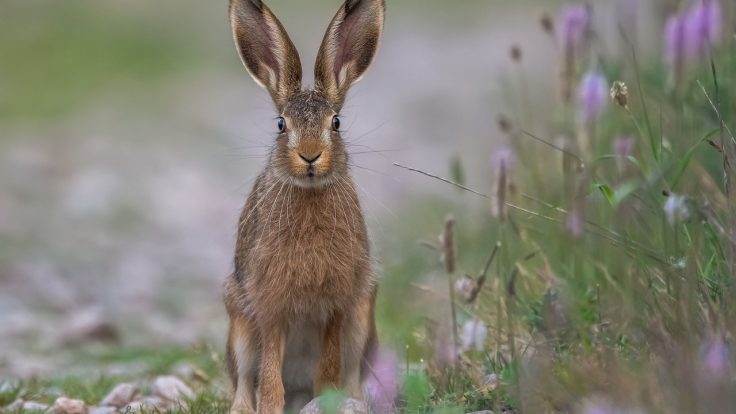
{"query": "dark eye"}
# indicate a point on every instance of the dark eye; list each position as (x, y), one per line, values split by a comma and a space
(281, 123)
(336, 123)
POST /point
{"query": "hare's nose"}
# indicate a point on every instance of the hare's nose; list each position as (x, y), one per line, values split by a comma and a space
(310, 159)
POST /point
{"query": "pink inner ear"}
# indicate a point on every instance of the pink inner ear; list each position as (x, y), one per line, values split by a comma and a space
(257, 41)
(266, 46)
(344, 43)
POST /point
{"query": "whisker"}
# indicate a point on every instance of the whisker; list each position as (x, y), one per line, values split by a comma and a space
(263, 197)
(376, 200)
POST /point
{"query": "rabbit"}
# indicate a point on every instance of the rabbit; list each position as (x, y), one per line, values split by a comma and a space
(302, 295)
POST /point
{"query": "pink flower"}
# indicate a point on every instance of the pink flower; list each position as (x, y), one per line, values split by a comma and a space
(575, 223)
(623, 147)
(381, 385)
(575, 25)
(674, 40)
(703, 26)
(715, 359)
(592, 96)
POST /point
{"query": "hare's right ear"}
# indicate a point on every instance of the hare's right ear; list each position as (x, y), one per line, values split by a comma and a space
(265, 49)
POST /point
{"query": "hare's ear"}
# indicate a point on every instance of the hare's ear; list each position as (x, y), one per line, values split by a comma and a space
(265, 49)
(348, 48)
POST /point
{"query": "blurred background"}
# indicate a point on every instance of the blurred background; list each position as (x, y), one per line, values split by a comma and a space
(130, 135)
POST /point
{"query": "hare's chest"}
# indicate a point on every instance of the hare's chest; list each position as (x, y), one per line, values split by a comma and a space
(308, 256)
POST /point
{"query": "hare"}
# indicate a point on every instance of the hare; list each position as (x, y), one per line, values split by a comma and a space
(302, 295)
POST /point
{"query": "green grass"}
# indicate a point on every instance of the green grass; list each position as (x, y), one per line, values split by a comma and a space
(209, 384)
(60, 56)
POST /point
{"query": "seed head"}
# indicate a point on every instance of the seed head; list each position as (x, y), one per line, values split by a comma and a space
(516, 53)
(620, 94)
(504, 123)
(548, 25)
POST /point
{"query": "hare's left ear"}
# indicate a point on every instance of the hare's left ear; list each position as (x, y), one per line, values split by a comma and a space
(348, 48)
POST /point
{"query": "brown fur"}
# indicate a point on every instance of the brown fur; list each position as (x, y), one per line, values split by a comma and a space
(301, 299)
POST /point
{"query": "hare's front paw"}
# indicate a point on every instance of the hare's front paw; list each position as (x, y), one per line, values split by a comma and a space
(241, 408)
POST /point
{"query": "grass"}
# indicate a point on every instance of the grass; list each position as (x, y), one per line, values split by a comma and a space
(58, 57)
(208, 383)
(633, 311)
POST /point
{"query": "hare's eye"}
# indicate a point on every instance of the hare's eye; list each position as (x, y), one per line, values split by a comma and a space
(336, 123)
(281, 124)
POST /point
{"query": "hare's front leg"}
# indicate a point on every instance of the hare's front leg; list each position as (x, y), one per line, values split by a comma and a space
(242, 351)
(270, 383)
(328, 367)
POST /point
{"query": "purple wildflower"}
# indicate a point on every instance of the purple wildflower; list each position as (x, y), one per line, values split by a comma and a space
(592, 96)
(474, 335)
(702, 27)
(600, 405)
(623, 147)
(676, 209)
(715, 359)
(674, 40)
(381, 385)
(575, 223)
(575, 25)
(503, 159)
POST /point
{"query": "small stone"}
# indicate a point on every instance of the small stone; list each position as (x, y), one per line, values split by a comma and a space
(103, 410)
(120, 396)
(150, 404)
(65, 405)
(171, 388)
(16, 405)
(34, 406)
(348, 406)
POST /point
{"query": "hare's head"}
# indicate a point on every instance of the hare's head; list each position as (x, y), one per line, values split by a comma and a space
(309, 150)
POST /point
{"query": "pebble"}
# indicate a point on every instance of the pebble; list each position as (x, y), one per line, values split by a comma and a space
(120, 396)
(103, 410)
(154, 404)
(171, 388)
(34, 406)
(65, 405)
(348, 406)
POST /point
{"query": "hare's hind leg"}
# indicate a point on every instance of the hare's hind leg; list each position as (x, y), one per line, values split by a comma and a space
(359, 340)
(242, 363)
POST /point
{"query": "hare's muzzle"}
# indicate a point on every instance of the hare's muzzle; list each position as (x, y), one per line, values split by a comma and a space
(310, 160)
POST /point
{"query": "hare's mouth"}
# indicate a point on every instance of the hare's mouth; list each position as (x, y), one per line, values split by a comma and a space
(312, 181)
